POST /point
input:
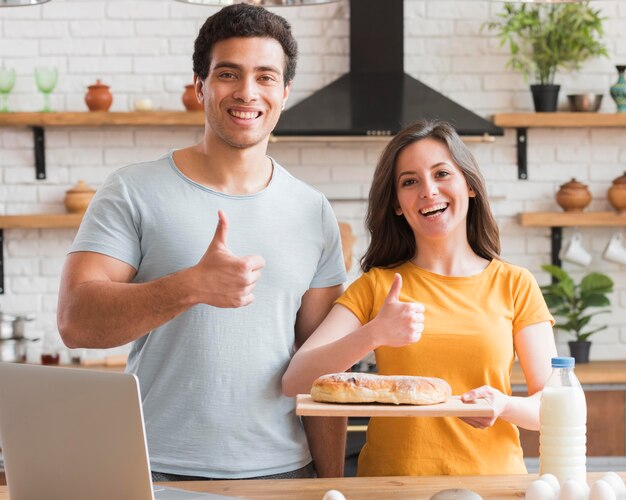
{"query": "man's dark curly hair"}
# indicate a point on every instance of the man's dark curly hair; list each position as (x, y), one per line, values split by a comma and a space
(244, 20)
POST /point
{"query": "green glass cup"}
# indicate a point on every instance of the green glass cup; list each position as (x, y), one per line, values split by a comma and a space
(7, 81)
(46, 79)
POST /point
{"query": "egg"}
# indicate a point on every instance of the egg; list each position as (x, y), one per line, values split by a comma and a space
(333, 495)
(601, 490)
(572, 490)
(553, 482)
(616, 483)
(540, 490)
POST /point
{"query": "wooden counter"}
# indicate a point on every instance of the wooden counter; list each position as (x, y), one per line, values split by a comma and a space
(371, 488)
(596, 372)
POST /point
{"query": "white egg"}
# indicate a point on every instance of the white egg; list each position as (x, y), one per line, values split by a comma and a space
(540, 490)
(616, 483)
(572, 490)
(601, 490)
(333, 495)
(553, 482)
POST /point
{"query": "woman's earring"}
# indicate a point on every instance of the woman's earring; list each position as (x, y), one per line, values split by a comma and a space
(398, 211)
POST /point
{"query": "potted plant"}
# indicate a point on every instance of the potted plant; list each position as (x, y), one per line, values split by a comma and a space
(569, 301)
(543, 38)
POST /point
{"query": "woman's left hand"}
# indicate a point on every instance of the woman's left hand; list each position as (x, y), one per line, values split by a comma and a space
(496, 399)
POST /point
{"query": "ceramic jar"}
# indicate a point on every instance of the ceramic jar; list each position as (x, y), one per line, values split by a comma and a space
(617, 193)
(77, 198)
(618, 90)
(573, 196)
(190, 100)
(98, 97)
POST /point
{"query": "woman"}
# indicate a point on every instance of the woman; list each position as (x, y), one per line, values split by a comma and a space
(435, 300)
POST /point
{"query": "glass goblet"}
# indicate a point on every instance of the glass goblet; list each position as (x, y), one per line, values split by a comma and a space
(46, 80)
(7, 80)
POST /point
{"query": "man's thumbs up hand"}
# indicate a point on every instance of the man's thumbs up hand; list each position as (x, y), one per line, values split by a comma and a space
(222, 278)
(399, 323)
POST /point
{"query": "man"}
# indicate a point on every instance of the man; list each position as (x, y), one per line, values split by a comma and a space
(215, 262)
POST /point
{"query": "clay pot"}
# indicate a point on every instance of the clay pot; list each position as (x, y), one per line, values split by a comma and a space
(190, 100)
(573, 196)
(617, 193)
(98, 97)
(77, 198)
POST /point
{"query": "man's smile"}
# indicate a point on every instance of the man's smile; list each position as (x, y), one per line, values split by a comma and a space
(245, 115)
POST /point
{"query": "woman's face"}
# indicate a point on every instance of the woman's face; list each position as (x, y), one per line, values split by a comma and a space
(431, 190)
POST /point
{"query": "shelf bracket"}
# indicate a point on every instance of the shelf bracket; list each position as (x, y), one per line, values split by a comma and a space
(40, 153)
(1, 261)
(522, 167)
(556, 239)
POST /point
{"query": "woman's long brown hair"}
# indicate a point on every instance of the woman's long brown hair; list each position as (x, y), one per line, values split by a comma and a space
(391, 238)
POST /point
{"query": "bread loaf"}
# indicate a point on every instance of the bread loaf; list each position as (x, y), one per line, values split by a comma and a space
(370, 388)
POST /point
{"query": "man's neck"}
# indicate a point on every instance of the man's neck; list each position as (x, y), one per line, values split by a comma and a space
(223, 168)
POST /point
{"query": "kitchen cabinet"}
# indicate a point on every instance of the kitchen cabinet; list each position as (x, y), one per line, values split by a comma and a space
(523, 121)
(556, 221)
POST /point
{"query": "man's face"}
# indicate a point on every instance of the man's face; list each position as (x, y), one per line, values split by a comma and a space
(244, 90)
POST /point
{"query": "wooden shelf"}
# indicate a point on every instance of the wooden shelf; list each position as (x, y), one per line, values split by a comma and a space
(40, 221)
(572, 219)
(102, 118)
(565, 120)
(523, 121)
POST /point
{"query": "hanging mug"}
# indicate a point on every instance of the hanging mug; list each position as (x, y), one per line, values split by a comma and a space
(574, 251)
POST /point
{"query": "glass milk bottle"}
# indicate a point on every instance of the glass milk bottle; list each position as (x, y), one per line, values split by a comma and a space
(563, 418)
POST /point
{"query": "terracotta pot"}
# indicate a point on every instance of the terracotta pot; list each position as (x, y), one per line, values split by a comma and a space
(617, 193)
(77, 198)
(573, 196)
(98, 97)
(190, 100)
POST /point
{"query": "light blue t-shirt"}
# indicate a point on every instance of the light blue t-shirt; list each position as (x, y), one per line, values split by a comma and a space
(211, 378)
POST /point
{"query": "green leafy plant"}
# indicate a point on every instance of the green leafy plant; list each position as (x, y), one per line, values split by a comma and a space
(545, 37)
(570, 301)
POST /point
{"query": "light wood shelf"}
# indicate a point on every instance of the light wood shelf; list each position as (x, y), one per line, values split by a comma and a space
(559, 119)
(572, 219)
(102, 118)
(40, 221)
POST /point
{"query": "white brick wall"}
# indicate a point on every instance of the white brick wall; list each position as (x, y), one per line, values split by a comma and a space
(143, 48)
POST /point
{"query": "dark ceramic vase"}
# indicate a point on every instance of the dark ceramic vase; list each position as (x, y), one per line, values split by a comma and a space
(618, 90)
(579, 350)
(545, 97)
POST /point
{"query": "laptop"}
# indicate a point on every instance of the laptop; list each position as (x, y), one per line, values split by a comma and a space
(73, 434)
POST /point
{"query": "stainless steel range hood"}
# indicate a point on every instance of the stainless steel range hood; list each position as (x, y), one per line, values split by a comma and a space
(377, 98)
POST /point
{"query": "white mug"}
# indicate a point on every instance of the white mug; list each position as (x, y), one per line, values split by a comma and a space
(574, 251)
(615, 251)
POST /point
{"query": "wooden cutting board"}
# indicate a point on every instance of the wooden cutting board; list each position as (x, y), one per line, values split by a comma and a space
(306, 407)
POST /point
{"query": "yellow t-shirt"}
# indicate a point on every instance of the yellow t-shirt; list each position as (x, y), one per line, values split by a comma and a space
(468, 335)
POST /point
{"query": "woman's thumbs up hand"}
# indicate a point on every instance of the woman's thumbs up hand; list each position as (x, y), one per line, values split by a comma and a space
(399, 323)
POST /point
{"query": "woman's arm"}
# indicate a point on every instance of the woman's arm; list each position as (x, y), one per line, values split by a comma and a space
(535, 347)
(340, 340)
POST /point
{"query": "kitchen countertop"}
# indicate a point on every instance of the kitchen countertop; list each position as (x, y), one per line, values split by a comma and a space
(370, 488)
(595, 372)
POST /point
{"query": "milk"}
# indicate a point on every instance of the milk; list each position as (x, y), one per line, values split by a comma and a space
(563, 417)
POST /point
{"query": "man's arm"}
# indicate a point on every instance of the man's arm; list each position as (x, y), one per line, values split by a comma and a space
(326, 435)
(100, 307)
